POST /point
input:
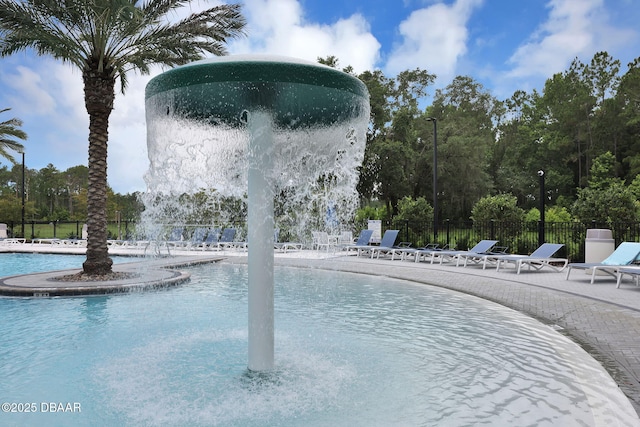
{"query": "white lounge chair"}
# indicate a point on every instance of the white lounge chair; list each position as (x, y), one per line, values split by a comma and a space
(540, 258)
(175, 237)
(388, 240)
(284, 246)
(363, 240)
(624, 255)
(483, 246)
(212, 239)
(387, 244)
(197, 238)
(345, 238)
(227, 240)
(405, 252)
(321, 240)
(630, 271)
(477, 258)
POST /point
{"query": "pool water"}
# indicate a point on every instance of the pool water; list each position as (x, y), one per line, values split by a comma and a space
(12, 264)
(350, 350)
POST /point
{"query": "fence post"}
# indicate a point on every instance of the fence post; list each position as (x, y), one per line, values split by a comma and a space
(448, 222)
(492, 229)
(406, 230)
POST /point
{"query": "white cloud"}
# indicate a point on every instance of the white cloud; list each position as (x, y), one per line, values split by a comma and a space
(47, 96)
(67, 87)
(573, 29)
(434, 39)
(278, 27)
(29, 93)
(128, 159)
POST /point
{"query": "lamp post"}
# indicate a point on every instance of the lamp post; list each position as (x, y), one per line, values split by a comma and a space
(542, 197)
(435, 177)
(23, 193)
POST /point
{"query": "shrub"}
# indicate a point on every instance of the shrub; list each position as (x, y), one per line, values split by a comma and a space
(371, 212)
(552, 214)
(418, 210)
(502, 207)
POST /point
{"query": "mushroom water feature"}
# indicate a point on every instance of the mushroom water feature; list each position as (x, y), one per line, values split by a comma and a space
(260, 128)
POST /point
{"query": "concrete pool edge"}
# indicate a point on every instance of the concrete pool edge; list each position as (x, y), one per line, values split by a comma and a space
(158, 273)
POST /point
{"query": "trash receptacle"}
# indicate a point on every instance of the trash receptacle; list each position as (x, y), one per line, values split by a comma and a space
(599, 244)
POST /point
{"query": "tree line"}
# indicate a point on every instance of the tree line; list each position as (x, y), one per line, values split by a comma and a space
(586, 116)
(54, 195)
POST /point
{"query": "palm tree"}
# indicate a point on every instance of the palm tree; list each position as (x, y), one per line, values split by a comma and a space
(106, 39)
(8, 132)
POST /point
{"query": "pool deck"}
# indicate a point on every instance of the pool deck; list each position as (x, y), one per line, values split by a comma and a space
(604, 320)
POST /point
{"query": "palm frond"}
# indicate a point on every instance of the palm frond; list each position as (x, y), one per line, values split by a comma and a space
(116, 36)
(8, 133)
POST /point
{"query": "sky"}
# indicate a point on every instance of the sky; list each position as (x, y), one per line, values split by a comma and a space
(505, 45)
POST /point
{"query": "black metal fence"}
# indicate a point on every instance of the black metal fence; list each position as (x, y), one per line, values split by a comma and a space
(520, 237)
(65, 229)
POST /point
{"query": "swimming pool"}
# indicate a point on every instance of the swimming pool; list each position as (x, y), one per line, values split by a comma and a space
(350, 350)
(25, 263)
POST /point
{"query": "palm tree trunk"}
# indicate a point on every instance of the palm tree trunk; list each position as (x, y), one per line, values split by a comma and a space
(99, 96)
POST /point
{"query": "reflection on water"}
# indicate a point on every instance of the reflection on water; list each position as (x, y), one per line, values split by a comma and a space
(350, 350)
(25, 263)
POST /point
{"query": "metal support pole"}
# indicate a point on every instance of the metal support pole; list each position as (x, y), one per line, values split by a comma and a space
(542, 197)
(260, 240)
(23, 194)
(435, 177)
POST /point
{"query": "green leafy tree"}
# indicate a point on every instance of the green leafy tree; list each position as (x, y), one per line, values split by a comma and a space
(395, 159)
(9, 132)
(551, 214)
(414, 210)
(603, 172)
(391, 166)
(502, 207)
(603, 74)
(75, 179)
(11, 208)
(607, 199)
(615, 204)
(49, 187)
(628, 100)
(635, 187)
(105, 39)
(371, 212)
(568, 106)
(506, 162)
(465, 113)
(522, 148)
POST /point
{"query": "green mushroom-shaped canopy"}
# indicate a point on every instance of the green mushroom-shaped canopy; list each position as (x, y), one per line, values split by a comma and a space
(296, 93)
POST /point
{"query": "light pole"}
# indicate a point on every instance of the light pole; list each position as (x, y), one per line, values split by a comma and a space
(435, 177)
(23, 193)
(542, 197)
